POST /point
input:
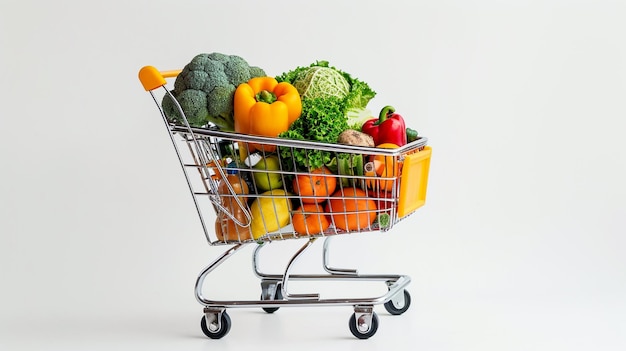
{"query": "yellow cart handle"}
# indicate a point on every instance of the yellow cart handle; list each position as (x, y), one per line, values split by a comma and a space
(151, 78)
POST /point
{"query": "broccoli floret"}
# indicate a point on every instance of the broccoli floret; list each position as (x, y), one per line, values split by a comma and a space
(193, 102)
(205, 89)
(256, 71)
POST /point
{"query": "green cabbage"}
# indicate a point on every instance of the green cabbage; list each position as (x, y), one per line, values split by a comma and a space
(319, 79)
(321, 82)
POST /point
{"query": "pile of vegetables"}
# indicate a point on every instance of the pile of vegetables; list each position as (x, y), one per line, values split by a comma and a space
(317, 102)
(329, 97)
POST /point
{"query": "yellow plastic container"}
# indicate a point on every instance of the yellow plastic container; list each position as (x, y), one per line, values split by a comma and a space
(414, 181)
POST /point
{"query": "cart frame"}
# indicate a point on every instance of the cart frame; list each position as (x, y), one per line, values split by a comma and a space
(275, 293)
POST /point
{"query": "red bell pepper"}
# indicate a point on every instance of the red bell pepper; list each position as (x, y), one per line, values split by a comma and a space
(389, 127)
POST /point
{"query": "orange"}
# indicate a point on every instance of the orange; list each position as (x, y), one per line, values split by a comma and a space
(310, 219)
(351, 209)
(316, 186)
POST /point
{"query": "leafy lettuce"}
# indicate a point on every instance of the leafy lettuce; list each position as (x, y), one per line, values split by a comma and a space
(329, 98)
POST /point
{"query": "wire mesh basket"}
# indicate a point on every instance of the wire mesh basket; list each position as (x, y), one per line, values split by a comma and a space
(357, 189)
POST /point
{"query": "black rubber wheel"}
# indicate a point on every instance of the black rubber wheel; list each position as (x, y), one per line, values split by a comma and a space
(391, 308)
(217, 334)
(360, 334)
(277, 296)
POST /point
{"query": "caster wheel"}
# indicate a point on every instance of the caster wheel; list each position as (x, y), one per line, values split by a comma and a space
(362, 330)
(212, 330)
(397, 306)
(278, 295)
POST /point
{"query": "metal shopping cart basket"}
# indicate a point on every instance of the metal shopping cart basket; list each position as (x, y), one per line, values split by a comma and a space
(253, 205)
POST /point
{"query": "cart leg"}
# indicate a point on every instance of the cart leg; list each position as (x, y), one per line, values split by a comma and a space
(325, 261)
(208, 269)
(328, 268)
(285, 281)
(255, 263)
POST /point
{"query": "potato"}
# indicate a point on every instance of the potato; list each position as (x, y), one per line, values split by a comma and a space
(355, 137)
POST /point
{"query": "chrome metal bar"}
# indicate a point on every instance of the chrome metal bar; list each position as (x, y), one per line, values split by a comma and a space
(248, 138)
(208, 269)
(327, 267)
(255, 263)
(395, 288)
(180, 159)
(286, 275)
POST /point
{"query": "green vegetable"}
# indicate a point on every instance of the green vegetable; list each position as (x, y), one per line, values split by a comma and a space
(205, 89)
(322, 120)
(346, 166)
(357, 117)
(411, 135)
(383, 220)
(329, 98)
(320, 79)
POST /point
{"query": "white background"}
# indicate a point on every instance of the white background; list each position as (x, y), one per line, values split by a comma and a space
(520, 245)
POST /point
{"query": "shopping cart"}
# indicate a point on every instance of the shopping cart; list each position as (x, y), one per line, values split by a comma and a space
(353, 197)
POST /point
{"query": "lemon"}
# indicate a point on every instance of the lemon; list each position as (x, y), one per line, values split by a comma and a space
(270, 212)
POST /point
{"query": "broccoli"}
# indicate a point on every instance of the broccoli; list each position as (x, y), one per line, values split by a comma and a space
(205, 89)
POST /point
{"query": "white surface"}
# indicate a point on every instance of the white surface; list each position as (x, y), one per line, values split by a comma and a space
(519, 247)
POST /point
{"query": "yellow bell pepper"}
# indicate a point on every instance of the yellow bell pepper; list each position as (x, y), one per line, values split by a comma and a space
(265, 107)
